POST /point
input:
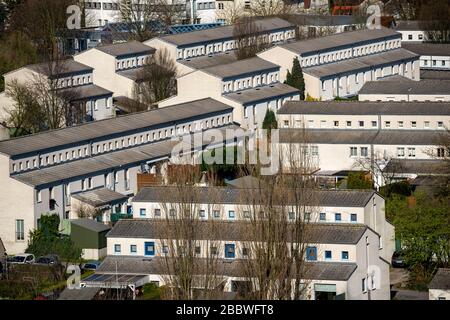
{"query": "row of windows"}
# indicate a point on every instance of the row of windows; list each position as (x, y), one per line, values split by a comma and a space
(362, 124)
(231, 215)
(150, 250)
(132, 63)
(117, 144)
(249, 83)
(64, 83)
(311, 254)
(230, 45)
(206, 5)
(350, 53)
(434, 63)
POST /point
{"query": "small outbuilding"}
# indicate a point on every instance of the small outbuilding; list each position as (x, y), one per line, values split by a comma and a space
(90, 236)
(439, 287)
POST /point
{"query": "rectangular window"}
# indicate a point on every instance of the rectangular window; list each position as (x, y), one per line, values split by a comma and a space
(387, 124)
(133, 248)
(157, 212)
(117, 248)
(336, 123)
(426, 124)
(171, 212)
(291, 215)
(411, 152)
(323, 216)
(247, 214)
(327, 255)
(364, 151)
(230, 251)
(307, 216)
(349, 124)
(20, 230)
(201, 213)
(337, 217)
(353, 151)
(149, 248)
(344, 255)
(216, 214)
(198, 250)
(440, 124)
(38, 196)
(400, 124)
(364, 285)
(311, 253)
(231, 214)
(413, 124)
(353, 217)
(361, 123)
(142, 212)
(245, 252)
(400, 152)
(374, 124)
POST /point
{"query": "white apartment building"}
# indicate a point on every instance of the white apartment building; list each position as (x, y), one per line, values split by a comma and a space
(338, 244)
(251, 86)
(40, 173)
(398, 89)
(411, 31)
(339, 65)
(117, 67)
(433, 56)
(72, 80)
(102, 12)
(217, 40)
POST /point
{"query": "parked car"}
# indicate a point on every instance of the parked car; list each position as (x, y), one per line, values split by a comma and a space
(90, 266)
(50, 259)
(22, 258)
(398, 260)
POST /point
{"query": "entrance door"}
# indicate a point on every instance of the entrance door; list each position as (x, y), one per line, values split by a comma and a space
(149, 248)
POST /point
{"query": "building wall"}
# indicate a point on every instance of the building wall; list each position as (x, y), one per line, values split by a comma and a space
(435, 62)
(16, 203)
(435, 294)
(404, 97)
(105, 74)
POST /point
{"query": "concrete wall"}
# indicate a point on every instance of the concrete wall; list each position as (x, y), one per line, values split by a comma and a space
(437, 294)
(17, 202)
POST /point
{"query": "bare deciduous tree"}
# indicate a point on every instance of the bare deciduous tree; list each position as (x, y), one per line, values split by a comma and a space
(157, 79)
(140, 15)
(249, 40)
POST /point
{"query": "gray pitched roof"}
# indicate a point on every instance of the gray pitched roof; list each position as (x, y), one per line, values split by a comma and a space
(363, 136)
(361, 63)
(254, 95)
(245, 182)
(97, 129)
(352, 38)
(423, 87)
(60, 68)
(87, 166)
(133, 265)
(441, 279)
(435, 74)
(85, 92)
(90, 225)
(241, 67)
(416, 166)
(321, 20)
(428, 49)
(100, 197)
(233, 231)
(126, 49)
(408, 25)
(222, 33)
(365, 108)
(210, 60)
(135, 74)
(324, 198)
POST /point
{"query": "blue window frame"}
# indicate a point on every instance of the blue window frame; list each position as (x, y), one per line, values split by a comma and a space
(231, 214)
(142, 212)
(149, 248)
(328, 255)
(344, 255)
(133, 248)
(117, 248)
(353, 217)
(311, 253)
(323, 216)
(337, 217)
(230, 251)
